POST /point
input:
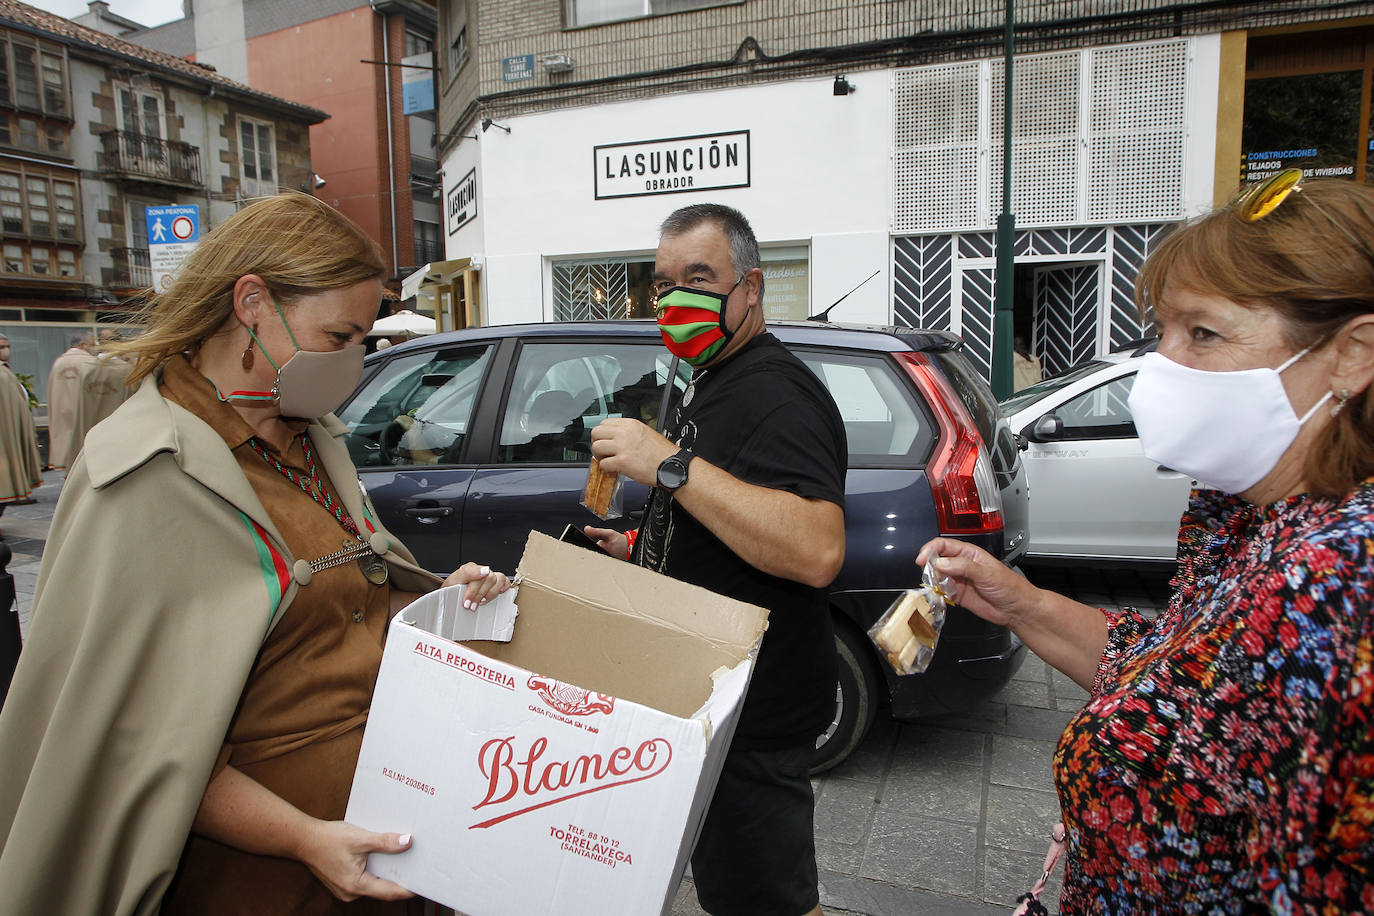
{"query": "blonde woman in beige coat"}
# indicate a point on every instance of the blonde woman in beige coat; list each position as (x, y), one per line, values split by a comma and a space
(184, 721)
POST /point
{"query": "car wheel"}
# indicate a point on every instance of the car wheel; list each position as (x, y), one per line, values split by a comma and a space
(856, 701)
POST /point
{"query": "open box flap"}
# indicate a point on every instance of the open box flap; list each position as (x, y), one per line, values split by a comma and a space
(603, 581)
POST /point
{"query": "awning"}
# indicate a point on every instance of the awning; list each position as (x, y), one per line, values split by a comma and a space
(433, 273)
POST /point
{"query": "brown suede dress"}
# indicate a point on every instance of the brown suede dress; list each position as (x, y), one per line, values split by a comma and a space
(299, 723)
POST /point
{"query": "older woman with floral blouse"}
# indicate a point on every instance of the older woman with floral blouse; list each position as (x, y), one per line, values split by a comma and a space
(1224, 760)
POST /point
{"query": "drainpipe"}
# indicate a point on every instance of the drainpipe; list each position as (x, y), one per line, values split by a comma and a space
(390, 142)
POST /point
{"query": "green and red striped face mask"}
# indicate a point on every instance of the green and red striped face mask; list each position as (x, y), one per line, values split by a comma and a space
(692, 322)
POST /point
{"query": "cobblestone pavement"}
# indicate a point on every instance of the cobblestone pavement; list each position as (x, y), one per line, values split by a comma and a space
(942, 817)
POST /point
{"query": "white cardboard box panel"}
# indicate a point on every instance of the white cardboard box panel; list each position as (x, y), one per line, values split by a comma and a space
(527, 790)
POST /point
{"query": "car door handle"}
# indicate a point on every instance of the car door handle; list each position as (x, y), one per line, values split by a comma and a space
(430, 512)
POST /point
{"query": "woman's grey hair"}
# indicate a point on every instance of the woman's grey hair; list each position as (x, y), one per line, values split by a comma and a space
(744, 247)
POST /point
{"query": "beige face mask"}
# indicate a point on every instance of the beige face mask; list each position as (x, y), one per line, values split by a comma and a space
(312, 383)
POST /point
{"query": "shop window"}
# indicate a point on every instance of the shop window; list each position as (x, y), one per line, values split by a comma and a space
(1303, 104)
(622, 287)
(1310, 121)
(594, 12)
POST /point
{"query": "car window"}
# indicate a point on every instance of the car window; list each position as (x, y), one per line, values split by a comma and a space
(1100, 413)
(561, 391)
(1050, 385)
(882, 423)
(417, 409)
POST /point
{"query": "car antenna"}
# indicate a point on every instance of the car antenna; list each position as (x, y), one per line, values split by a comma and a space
(823, 316)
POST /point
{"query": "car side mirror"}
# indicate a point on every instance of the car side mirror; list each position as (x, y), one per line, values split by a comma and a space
(1046, 429)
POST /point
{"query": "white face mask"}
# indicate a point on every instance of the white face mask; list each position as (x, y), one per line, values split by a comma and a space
(1226, 429)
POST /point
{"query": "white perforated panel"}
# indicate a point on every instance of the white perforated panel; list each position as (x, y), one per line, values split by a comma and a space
(935, 188)
(935, 147)
(1044, 136)
(1098, 136)
(1136, 132)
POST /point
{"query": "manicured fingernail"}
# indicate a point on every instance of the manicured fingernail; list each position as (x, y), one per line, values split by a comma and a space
(484, 570)
(404, 839)
(467, 603)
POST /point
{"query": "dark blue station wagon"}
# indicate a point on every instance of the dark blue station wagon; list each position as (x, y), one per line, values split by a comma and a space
(468, 440)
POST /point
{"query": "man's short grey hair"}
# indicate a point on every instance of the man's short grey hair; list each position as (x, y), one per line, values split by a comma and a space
(744, 247)
(79, 340)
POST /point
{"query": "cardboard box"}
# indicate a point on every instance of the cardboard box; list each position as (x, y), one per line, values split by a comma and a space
(560, 762)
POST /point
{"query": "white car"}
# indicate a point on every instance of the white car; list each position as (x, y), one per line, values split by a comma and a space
(1093, 493)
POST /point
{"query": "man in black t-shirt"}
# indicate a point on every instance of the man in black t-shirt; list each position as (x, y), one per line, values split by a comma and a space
(747, 500)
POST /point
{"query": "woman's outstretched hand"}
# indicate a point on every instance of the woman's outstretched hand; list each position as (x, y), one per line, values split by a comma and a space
(978, 581)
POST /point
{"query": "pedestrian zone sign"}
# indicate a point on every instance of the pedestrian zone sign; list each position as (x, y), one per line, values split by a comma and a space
(173, 233)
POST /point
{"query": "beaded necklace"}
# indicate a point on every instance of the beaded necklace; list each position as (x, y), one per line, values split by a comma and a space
(311, 484)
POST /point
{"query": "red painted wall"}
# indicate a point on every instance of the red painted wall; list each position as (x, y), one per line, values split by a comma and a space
(319, 64)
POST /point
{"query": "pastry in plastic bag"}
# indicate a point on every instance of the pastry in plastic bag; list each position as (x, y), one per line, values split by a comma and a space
(910, 629)
(602, 493)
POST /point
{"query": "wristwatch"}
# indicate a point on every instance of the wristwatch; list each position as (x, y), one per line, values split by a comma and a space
(672, 473)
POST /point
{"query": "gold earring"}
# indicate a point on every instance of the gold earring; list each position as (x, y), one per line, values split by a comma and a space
(248, 351)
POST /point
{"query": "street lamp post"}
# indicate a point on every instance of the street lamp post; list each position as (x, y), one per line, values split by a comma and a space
(1003, 325)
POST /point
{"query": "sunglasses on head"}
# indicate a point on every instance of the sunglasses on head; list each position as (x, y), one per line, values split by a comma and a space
(1259, 200)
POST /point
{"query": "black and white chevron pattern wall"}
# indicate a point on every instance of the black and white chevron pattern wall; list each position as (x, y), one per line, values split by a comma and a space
(923, 288)
(1130, 246)
(1067, 301)
(944, 281)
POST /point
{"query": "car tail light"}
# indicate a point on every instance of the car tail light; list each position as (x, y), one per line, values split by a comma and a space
(967, 499)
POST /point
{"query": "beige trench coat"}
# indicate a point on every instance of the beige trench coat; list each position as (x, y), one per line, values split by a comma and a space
(64, 388)
(161, 577)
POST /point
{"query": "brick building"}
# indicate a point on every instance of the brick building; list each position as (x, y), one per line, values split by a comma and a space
(863, 138)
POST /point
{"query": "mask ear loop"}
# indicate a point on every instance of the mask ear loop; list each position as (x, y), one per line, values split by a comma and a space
(1290, 361)
(726, 332)
(261, 396)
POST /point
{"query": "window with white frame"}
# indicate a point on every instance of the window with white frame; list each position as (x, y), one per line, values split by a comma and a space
(140, 112)
(594, 12)
(258, 158)
(1098, 136)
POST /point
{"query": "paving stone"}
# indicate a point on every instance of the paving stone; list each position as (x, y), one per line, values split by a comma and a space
(1033, 668)
(870, 759)
(1020, 819)
(875, 898)
(844, 809)
(1027, 693)
(1034, 722)
(837, 857)
(1009, 873)
(922, 852)
(948, 791)
(1022, 762)
(926, 744)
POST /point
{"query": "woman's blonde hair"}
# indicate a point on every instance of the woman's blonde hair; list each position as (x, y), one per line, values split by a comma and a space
(1311, 260)
(294, 242)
